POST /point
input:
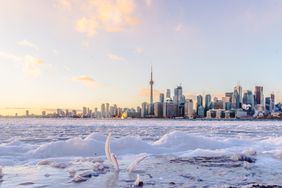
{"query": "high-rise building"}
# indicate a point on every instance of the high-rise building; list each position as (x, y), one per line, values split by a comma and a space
(200, 100)
(226, 103)
(107, 110)
(26, 113)
(138, 111)
(259, 97)
(218, 104)
(248, 98)
(84, 111)
(151, 93)
(168, 95)
(199, 103)
(268, 104)
(201, 112)
(158, 109)
(235, 99)
(179, 100)
(272, 97)
(161, 98)
(188, 108)
(208, 103)
(96, 115)
(144, 110)
(169, 109)
(103, 110)
(238, 88)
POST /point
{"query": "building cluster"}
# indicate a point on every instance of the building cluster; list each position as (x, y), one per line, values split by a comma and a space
(235, 104)
(106, 111)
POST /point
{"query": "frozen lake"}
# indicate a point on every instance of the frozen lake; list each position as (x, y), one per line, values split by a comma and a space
(180, 153)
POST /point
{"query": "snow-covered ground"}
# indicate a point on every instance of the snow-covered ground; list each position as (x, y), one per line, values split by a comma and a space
(180, 153)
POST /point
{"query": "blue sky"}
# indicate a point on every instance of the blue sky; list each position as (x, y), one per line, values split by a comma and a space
(68, 53)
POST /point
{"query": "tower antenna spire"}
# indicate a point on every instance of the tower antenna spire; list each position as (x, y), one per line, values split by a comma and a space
(151, 92)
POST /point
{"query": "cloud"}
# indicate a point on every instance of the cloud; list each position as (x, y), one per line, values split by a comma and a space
(106, 15)
(30, 64)
(87, 26)
(85, 80)
(116, 58)
(26, 43)
(10, 56)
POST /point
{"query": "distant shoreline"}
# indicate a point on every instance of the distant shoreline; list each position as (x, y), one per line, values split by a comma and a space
(145, 119)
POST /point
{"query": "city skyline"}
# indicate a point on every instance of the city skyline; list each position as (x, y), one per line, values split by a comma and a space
(239, 102)
(67, 54)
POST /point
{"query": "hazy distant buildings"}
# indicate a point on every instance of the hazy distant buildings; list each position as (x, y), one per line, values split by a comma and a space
(103, 111)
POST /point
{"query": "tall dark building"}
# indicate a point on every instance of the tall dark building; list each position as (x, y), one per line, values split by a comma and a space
(179, 100)
(259, 98)
(208, 102)
(151, 93)
(161, 98)
(272, 97)
(268, 104)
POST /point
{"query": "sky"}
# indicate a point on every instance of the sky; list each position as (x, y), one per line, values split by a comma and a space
(72, 53)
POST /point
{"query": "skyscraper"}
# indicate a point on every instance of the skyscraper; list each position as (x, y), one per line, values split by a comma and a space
(272, 97)
(259, 98)
(103, 110)
(268, 104)
(179, 100)
(238, 88)
(144, 110)
(199, 103)
(107, 110)
(207, 102)
(161, 98)
(189, 112)
(151, 93)
(236, 99)
(168, 96)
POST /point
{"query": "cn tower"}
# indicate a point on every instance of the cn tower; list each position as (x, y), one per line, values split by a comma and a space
(151, 93)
